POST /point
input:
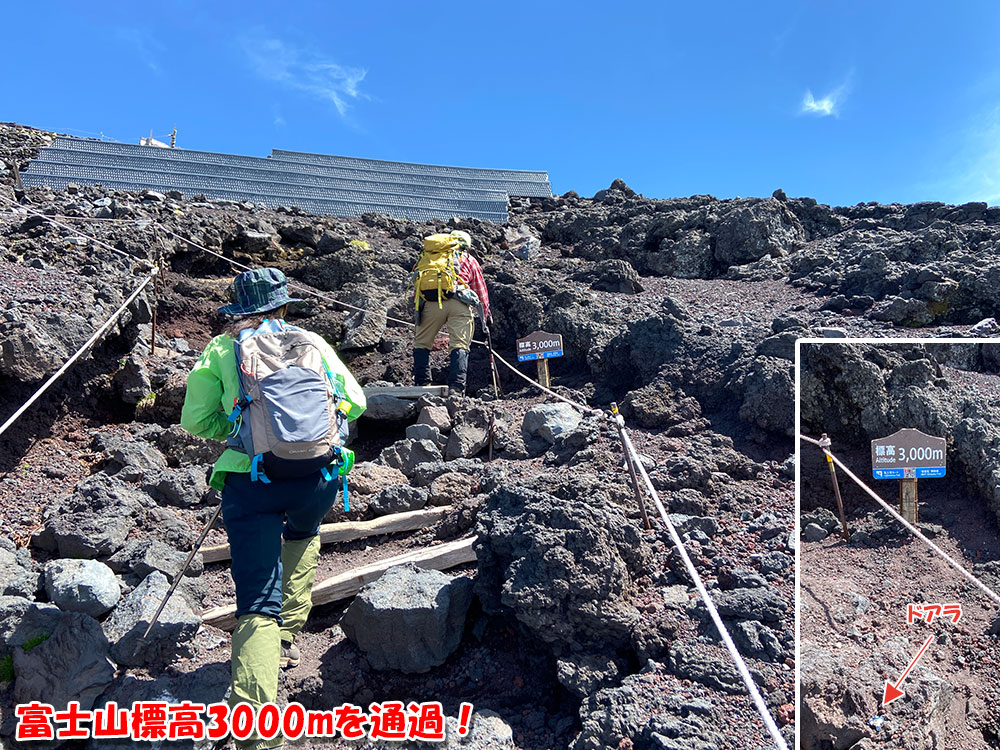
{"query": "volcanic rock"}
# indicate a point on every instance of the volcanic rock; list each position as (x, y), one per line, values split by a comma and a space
(409, 619)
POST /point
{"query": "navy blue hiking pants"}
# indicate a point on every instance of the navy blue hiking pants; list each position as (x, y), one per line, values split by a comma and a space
(257, 515)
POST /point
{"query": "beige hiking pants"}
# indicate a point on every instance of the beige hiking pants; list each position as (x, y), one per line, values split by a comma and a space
(461, 322)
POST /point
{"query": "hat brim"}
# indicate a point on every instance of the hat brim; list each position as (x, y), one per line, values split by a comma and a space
(237, 309)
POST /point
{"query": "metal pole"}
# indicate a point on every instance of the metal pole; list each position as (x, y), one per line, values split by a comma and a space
(497, 393)
(631, 469)
(824, 442)
(187, 563)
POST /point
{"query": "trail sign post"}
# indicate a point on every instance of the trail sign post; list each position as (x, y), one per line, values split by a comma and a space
(909, 455)
(542, 347)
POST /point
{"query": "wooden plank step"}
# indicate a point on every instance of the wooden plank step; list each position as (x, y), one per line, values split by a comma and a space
(346, 585)
(406, 391)
(347, 531)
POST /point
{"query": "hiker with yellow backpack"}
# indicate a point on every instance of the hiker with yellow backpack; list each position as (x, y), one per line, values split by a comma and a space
(281, 399)
(448, 288)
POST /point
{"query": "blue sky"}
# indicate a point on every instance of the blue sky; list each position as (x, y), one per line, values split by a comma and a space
(843, 101)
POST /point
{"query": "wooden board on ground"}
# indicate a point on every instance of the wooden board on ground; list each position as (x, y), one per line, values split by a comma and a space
(346, 585)
(348, 531)
(407, 391)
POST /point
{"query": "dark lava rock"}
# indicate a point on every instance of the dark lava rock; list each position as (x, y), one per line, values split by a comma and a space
(176, 626)
(562, 568)
(409, 619)
(71, 664)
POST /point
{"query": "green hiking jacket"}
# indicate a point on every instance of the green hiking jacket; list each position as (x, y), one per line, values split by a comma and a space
(213, 387)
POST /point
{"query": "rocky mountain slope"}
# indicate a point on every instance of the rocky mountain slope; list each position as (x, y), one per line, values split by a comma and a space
(685, 311)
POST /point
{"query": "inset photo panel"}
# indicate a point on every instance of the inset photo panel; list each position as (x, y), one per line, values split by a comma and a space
(898, 493)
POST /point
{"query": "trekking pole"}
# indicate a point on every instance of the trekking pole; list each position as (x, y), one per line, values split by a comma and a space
(187, 563)
(493, 365)
(631, 468)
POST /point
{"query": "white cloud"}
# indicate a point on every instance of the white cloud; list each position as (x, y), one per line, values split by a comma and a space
(974, 173)
(828, 105)
(305, 71)
(146, 48)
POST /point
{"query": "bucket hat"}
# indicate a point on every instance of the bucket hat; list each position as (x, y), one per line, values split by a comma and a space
(257, 291)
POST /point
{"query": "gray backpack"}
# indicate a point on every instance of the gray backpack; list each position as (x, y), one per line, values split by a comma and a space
(290, 417)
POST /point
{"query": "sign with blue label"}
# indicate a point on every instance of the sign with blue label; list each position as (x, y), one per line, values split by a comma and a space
(909, 454)
(539, 345)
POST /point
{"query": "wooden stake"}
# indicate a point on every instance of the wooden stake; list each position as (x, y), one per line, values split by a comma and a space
(543, 372)
(639, 496)
(346, 585)
(825, 442)
(350, 530)
(908, 499)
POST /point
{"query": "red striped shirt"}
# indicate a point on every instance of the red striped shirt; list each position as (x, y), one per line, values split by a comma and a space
(472, 275)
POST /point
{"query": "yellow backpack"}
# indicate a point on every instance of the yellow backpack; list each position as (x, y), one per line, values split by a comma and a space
(437, 266)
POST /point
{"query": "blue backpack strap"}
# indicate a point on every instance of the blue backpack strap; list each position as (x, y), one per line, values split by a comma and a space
(343, 484)
(256, 473)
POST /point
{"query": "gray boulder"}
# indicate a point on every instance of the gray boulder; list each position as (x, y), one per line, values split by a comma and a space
(133, 381)
(435, 416)
(406, 454)
(184, 487)
(692, 660)
(838, 696)
(759, 603)
(615, 275)
(176, 626)
(141, 557)
(133, 458)
(549, 421)
(409, 619)
(756, 229)
(86, 535)
(85, 586)
(487, 731)
(384, 407)
(207, 684)
(72, 664)
(426, 432)
(469, 435)
(22, 620)
(562, 567)
(27, 353)
(584, 674)
(398, 499)
(450, 488)
(649, 711)
(769, 395)
(18, 577)
(363, 329)
(815, 533)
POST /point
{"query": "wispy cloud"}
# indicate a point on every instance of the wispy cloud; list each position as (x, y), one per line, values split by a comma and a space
(974, 173)
(305, 70)
(827, 106)
(144, 45)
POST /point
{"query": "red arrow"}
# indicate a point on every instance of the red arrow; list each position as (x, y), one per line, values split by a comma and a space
(892, 692)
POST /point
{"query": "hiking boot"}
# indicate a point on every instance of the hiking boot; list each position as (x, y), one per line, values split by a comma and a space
(458, 368)
(421, 366)
(289, 655)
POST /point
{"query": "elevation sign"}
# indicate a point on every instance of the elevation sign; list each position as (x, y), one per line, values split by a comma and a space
(908, 454)
(539, 345)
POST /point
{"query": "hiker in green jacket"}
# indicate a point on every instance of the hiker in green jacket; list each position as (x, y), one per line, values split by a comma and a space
(273, 578)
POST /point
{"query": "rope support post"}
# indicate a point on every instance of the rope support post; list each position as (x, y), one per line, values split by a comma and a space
(824, 444)
(631, 468)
